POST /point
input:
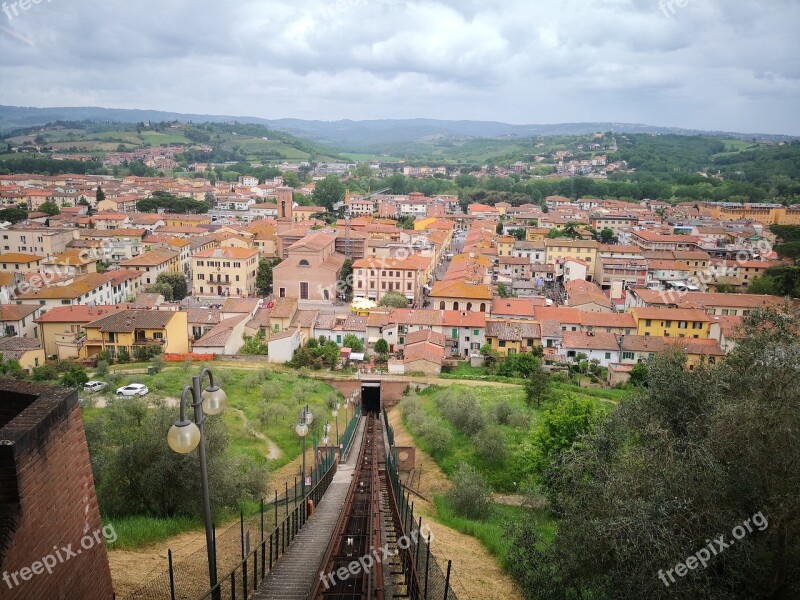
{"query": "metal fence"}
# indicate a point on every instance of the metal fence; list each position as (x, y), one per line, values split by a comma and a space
(419, 563)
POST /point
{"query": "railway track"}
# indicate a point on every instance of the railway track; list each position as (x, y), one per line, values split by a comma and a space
(356, 565)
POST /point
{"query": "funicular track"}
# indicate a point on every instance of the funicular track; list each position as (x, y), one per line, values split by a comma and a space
(366, 525)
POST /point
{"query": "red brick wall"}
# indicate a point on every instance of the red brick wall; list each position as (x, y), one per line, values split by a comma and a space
(58, 507)
(391, 391)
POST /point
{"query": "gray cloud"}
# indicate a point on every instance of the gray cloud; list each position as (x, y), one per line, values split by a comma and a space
(710, 64)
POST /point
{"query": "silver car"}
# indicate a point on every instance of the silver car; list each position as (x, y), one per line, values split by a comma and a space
(94, 386)
(134, 389)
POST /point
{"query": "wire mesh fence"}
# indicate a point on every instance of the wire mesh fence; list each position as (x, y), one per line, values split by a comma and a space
(419, 563)
(261, 538)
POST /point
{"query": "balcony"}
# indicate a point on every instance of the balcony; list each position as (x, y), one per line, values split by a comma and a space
(149, 342)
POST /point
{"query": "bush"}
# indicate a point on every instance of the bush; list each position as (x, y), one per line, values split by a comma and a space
(157, 363)
(145, 353)
(75, 377)
(491, 445)
(502, 413)
(123, 357)
(462, 410)
(101, 370)
(470, 495)
(45, 372)
(437, 437)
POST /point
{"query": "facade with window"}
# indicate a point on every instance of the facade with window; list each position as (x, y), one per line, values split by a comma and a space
(124, 331)
(373, 278)
(227, 272)
(310, 270)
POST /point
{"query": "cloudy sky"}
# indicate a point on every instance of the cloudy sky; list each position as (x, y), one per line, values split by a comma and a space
(709, 64)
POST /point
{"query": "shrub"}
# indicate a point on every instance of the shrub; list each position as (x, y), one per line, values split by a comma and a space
(437, 437)
(491, 445)
(470, 495)
(123, 357)
(462, 410)
(101, 370)
(502, 412)
(157, 363)
(45, 372)
(75, 377)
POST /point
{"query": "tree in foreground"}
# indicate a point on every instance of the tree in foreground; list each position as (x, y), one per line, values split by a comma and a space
(688, 459)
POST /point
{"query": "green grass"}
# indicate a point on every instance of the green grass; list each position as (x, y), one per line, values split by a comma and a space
(136, 532)
(243, 388)
(492, 532)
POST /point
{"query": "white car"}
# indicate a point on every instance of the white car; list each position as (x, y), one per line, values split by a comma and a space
(134, 389)
(94, 386)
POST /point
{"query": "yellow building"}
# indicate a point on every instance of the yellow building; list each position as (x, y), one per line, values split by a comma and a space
(225, 272)
(16, 262)
(131, 329)
(512, 337)
(559, 249)
(672, 322)
(27, 351)
(306, 213)
(536, 234)
(505, 245)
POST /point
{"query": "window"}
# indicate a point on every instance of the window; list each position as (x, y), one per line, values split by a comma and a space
(627, 356)
(303, 263)
(608, 355)
(303, 290)
(201, 277)
(648, 323)
(475, 332)
(697, 325)
(157, 335)
(454, 332)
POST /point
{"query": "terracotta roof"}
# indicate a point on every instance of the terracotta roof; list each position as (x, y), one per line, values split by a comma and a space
(590, 341)
(229, 253)
(513, 331)
(203, 315)
(460, 289)
(16, 312)
(284, 308)
(604, 319)
(239, 305)
(305, 318)
(12, 347)
(221, 332)
(20, 257)
(581, 292)
(424, 335)
(79, 313)
(150, 259)
(129, 320)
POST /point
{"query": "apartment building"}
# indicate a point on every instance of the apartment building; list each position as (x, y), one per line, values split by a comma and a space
(373, 278)
(124, 331)
(672, 322)
(41, 241)
(225, 272)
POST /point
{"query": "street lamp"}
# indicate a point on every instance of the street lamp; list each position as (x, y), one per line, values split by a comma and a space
(327, 430)
(302, 431)
(184, 436)
(335, 414)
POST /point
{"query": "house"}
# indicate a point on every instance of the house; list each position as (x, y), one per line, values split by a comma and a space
(153, 263)
(19, 262)
(226, 337)
(19, 320)
(672, 322)
(225, 272)
(637, 349)
(201, 320)
(423, 353)
(373, 278)
(283, 345)
(559, 249)
(461, 295)
(511, 337)
(61, 329)
(311, 269)
(603, 347)
(39, 240)
(587, 297)
(27, 352)
(94, 288)
(124, 331)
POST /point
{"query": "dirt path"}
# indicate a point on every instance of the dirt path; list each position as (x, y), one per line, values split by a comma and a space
(273, 451)
(477, 574)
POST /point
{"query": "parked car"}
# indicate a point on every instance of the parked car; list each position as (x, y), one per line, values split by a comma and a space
(94, 386)
(134, 389)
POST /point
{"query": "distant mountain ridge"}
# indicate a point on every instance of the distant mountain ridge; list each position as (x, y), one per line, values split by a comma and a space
(348, 134)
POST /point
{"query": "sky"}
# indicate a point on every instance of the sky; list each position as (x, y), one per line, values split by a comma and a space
(727, 65)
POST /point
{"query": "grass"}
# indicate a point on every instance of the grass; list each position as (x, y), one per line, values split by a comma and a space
(139, 531)
(244, 399)
(492, 532)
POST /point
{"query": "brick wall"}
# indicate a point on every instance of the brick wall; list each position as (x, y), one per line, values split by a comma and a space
(45, 453)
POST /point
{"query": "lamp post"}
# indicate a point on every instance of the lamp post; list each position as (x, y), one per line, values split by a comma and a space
(327, 429)
(184, 436)
(302, 431)
(335, 415)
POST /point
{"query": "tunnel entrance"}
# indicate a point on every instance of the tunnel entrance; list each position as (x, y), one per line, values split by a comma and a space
(371, 396)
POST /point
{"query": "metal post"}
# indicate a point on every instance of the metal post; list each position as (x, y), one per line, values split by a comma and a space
(295, 491)
(427, 566)
(171, 576)
(419, 532)
(287, 497)
(197, 404)
(241, 528)
(447, 580)
(262, 519)
(304, 466)
(276, 509)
